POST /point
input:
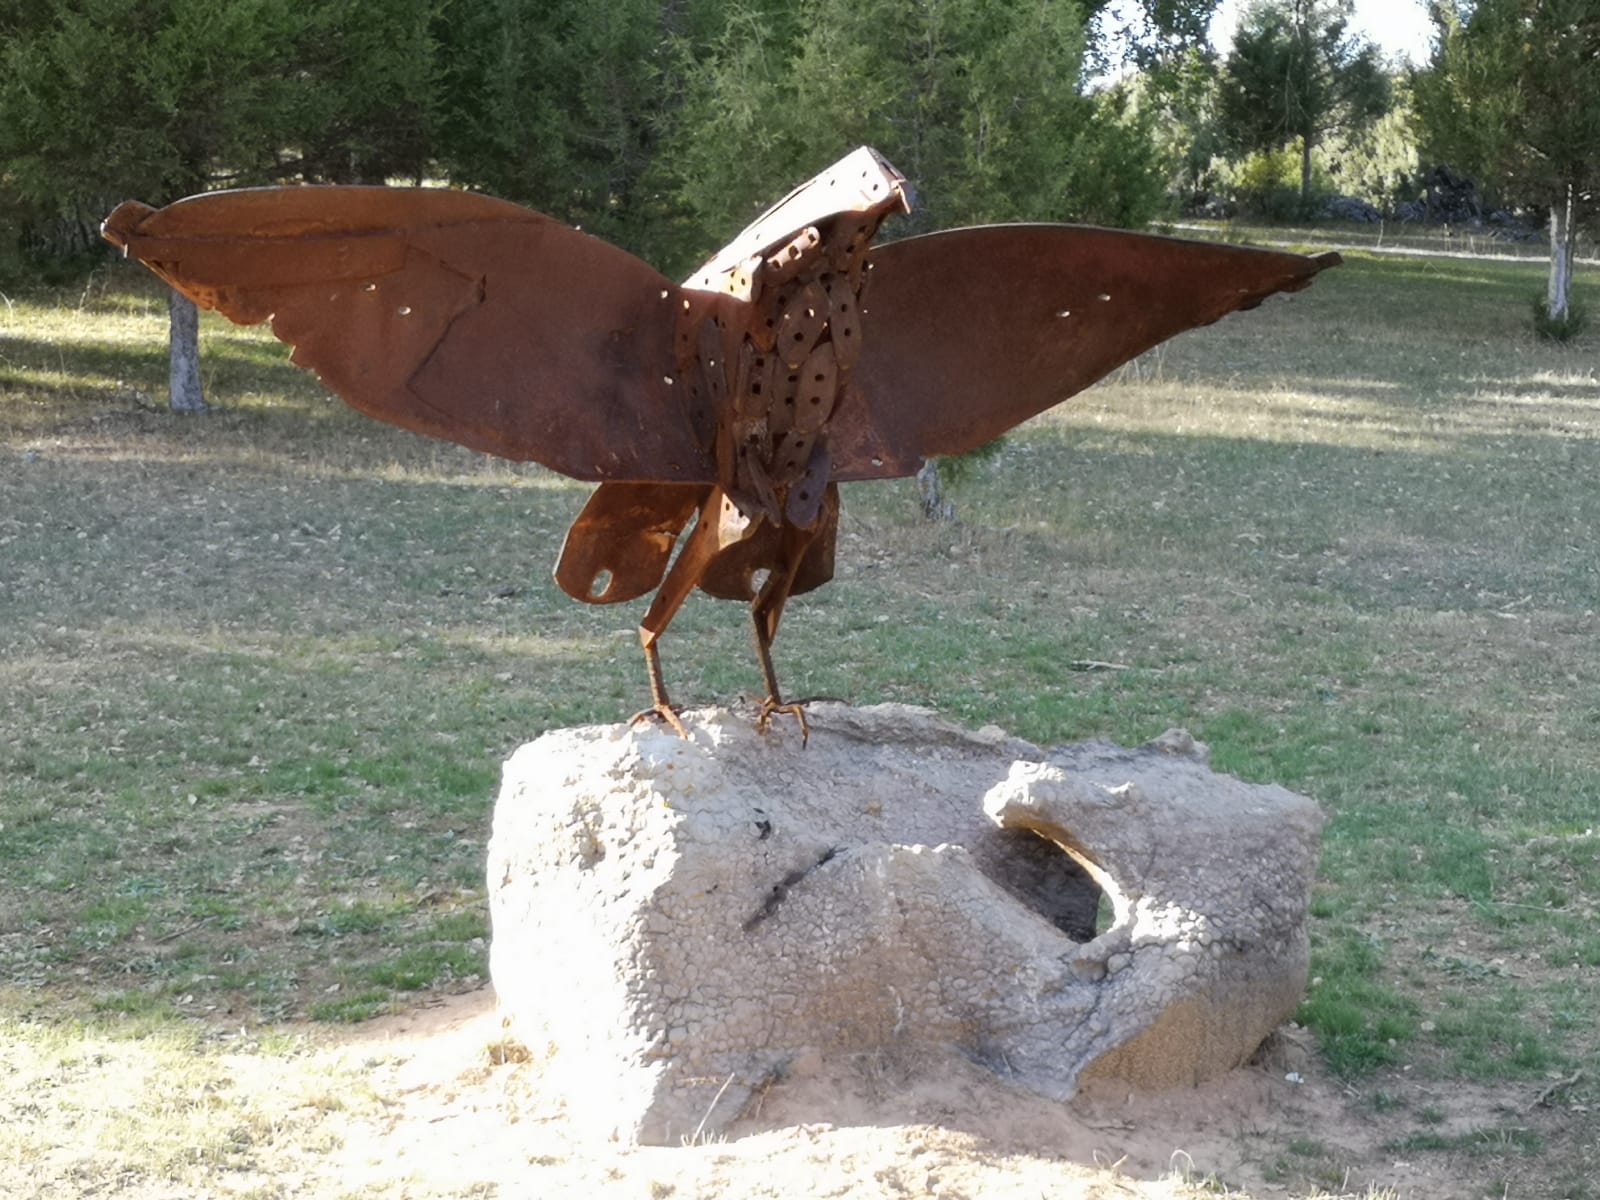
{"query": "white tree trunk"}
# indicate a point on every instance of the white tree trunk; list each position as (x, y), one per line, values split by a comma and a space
(183, 350)
(1562, 247)
(934, 506)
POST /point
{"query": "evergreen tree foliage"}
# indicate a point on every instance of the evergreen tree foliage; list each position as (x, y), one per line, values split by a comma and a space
(105, 99)
(979, 102)
(557, 104)
(101, 100)
(1378, 161)
(1513, 96)
(365, 105)
(659, 124)
(1145, 33)
(1295, 75)
(1177, 101)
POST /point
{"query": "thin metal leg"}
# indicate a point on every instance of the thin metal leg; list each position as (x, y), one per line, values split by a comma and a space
(763, 642)
(686, 571)
(660, 705)
(765, 613)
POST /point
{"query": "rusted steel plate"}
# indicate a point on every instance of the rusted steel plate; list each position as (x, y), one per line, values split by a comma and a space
(618, 547)
(450, 314)
(970, 332)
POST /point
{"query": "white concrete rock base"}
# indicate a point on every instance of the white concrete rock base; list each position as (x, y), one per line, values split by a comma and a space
(683, 925)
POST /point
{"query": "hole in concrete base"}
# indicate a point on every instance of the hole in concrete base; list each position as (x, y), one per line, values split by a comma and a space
(1048, 880)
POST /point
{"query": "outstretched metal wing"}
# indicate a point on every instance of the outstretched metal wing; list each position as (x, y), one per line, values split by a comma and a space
(970, 332)
(451, 314)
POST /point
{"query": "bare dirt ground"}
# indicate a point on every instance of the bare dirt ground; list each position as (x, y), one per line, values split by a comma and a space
(451, 1121)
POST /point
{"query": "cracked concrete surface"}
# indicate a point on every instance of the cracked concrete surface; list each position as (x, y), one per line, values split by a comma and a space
(684, 925)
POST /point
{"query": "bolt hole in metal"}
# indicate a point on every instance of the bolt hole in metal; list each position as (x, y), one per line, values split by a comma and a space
(404, 310)
(600, 585)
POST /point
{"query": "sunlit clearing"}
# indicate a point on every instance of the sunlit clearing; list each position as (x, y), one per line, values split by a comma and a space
(1364, 414)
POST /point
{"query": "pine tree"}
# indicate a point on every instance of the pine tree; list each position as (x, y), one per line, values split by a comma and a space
(1296, 74)
(1513, 95)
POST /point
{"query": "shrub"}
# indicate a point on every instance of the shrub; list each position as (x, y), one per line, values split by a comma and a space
(1267, 184)
(1559, 329)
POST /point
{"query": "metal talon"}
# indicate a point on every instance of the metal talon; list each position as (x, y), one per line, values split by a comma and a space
(796, 709)
(665, 713)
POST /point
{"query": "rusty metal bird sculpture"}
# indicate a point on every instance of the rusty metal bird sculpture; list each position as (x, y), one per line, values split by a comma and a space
(801, 355)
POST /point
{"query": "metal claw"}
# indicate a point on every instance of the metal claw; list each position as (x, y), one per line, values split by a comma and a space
(665, 713)
(796, 709)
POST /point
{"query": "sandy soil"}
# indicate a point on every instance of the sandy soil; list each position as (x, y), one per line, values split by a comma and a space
(450, 1121)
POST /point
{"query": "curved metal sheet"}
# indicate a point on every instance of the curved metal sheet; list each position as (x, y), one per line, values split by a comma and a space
(448, 313)
(618, 547)
(970, 332)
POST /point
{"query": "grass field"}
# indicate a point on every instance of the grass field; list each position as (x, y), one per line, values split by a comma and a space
(258, 670)
(1399, 237)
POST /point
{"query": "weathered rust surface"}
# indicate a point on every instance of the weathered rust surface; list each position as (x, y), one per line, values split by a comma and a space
(973, 331)
(798, 356)
(448, 313)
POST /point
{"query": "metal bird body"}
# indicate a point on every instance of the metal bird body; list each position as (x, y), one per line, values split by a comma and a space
(799, 356)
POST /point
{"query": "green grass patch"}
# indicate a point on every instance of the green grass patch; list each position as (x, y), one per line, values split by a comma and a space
(427, 966)
(1494, 1141)
(1360, 1021)
(358, 1006)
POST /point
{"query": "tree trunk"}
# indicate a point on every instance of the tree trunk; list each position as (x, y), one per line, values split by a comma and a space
(183, 351)
(934, 506)
(1559, 291)
(1305, 174)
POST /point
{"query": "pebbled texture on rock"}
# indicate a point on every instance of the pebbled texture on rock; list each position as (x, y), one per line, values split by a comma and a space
(683, 925)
